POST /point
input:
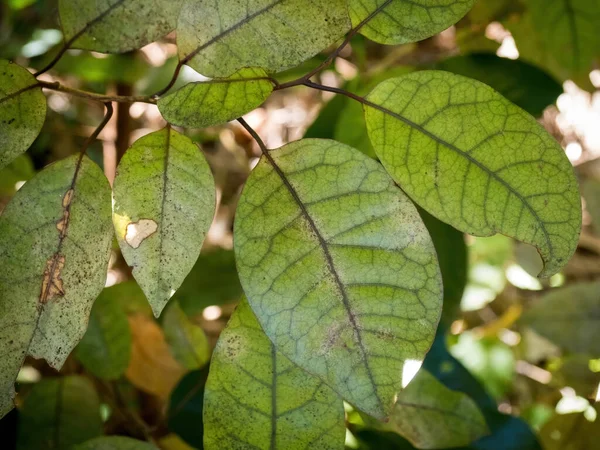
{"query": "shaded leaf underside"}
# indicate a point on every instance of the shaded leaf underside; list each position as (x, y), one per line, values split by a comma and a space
(476, 161)
(257, 398)
(55, 238)
(338, 267)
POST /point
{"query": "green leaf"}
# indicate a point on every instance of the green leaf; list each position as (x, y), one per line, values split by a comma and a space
(217, 38)
(339, 268)
(430, 415)
(116, 26)
(115, 443)
(13, 175)
(59, 413)
(560, 36)
(569, 317)
(401, 21)
(213, 281)
(571, 432)
(22, 111)
(207, 103)
(186, 339)
(164, 202)
(106, 346)
(256, 398)
(55, 239)
(591, 192)
(476, 161)
(523, 84)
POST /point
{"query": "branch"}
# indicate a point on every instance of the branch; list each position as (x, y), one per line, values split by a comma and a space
(99, 128)
(56, 86)
(254, 134)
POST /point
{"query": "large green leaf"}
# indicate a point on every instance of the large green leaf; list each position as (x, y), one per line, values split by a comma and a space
(186, 339)
(257, 398)
(339, 268)
(476, 161)
(219, 37)
(55, 238)
(403, 21)
(164, 202)
(59, 413)
(202, 104)
(115, 26)
(569, 317)
(561, 36)
(525, 85)
(430, 415)
(22, 111)
(106, 346)
(114, 443)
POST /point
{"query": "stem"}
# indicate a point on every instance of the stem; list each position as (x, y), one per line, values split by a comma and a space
(56, 86)
(99, 128)
(172, 82)
(255, 136)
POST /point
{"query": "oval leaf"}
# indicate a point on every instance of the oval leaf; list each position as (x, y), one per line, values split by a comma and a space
(257, 398)
(401, 21)
(116, 26)
(339, 268)
(476, 161)
(217, 38)
(115, 443)
(430, 415)
(164, 202)
(22, 111)
(106, 346)
(59, 413)
(200, 105)
(186, 339)
(55, 238)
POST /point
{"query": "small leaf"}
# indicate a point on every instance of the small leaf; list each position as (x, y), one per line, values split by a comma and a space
(432, 416)
(164, 202)
(106, 346)
(525, 85)
(476, 161)
(207, 103)
(117, 26)
(115, 443)
(152, 368)
(15, 174)
(569, 317)
(186, 339)
(217, 38)
(59, 413)
(339, 268)
(256, 398)
(401, 21)
(55, 238)
(22, 111)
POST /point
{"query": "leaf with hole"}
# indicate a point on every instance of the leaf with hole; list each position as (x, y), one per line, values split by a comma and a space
(432, 416)
(22, 111)
(401, 21)
(164, 203)
(59, 413)
(476, 161)
(339, 268)
(55, 238)
(106, 346)
(257, 398)
(213, 102)
(220, 37)
(116, 26)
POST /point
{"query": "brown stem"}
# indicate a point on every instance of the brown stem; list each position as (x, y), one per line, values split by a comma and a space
(56, 86)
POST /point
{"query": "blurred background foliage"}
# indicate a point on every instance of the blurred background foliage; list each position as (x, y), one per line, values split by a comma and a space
(526, 351)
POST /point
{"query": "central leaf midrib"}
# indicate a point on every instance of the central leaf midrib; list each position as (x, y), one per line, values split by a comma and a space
(229, 30)
(273, 445)
(332, 270)
(472, 160)
(163, 202)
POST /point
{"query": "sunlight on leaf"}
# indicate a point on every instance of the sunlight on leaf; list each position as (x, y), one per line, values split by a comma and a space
(55, 237)
(164, 202)
(22, 111)
(256, 398)
(476, 161)
(339, 268)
